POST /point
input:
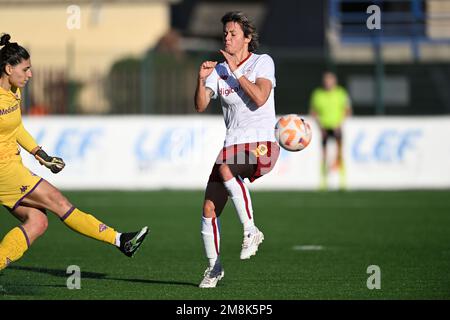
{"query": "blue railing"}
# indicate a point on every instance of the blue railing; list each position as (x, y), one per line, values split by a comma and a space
(402, 21)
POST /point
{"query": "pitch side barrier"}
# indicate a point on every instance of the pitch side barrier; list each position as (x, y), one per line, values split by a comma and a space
(178, 152)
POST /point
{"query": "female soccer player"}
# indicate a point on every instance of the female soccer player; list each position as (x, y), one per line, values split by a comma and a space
(245, 82)
(23, 193)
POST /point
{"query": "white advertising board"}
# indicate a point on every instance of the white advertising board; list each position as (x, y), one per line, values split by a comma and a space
(178, 152)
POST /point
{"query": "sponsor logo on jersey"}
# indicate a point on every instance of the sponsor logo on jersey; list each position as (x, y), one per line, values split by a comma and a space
(9, 110)
(102, 227)
(227, 91)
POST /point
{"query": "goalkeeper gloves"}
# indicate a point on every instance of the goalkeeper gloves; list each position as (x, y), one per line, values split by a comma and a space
(55, 164)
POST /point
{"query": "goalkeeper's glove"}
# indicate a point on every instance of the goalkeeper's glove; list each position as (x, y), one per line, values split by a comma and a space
(55, 164)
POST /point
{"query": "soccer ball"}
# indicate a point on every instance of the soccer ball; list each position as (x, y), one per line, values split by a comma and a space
(292, 132)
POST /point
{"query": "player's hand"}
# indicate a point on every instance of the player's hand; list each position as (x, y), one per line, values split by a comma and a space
(231, 60)
(55, 164)
(206, 69)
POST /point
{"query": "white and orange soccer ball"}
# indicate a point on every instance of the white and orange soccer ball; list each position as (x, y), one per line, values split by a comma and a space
(292, 132)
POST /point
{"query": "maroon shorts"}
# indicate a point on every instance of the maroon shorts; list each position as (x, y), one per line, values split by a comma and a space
(263, 155)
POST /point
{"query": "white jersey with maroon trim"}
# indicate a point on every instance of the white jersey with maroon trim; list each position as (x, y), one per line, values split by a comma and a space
(245, 122)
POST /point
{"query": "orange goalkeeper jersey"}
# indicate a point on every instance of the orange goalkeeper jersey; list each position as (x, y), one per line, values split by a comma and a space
(12, 131)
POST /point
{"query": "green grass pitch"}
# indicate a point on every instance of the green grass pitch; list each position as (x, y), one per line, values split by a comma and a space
(405, 233)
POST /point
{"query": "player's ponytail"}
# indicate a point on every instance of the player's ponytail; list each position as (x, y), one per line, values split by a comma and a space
(11, 53)
(4, 40)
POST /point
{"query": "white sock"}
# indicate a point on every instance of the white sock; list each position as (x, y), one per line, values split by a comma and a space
(240, 196)
(211, 239)
(117, 243)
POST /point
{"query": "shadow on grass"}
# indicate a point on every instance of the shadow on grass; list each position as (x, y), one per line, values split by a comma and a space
(97, 275)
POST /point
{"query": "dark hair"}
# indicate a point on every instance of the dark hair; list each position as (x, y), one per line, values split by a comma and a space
(246, 25)
(11, 53)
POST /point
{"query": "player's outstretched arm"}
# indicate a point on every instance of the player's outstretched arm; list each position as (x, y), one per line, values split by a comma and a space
(55, 164)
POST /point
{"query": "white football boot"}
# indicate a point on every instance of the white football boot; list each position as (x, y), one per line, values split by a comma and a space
(212, 276)
(251, 243)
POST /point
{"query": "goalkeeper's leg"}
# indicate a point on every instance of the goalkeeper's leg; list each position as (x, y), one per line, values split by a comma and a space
(47, 196)
(19, 239)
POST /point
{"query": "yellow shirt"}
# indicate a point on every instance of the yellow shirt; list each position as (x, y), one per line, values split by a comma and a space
(330, 106)
(12, 131)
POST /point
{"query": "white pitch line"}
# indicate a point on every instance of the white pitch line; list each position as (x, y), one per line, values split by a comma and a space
(308, 248)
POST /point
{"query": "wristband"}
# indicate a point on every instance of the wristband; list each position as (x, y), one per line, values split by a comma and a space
(238, 73)
(43, 155)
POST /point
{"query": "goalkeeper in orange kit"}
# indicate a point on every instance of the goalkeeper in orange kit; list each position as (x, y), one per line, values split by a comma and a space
(23, 193)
